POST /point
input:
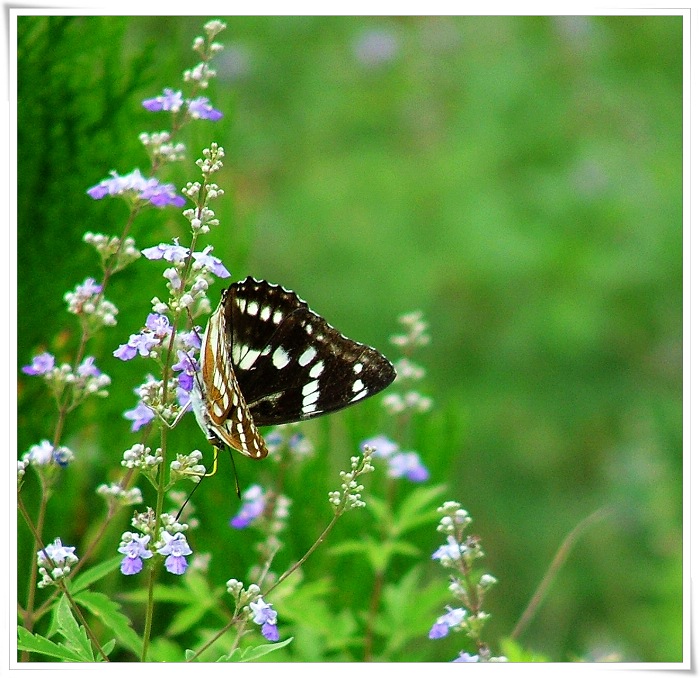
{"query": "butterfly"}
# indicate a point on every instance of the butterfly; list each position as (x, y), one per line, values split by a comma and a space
(266, 358)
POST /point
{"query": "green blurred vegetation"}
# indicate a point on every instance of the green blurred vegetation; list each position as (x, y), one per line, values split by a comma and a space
(517, 179)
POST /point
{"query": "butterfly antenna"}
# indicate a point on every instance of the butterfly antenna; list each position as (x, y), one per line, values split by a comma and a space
(235, 473)
(209, 472)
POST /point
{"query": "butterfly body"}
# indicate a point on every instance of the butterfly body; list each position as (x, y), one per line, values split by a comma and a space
(267, 358)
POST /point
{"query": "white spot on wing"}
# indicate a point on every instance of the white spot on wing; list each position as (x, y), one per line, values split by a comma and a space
(310, 389)
(316, 370)
(265, 313)
(277, 317)
(253, 308)
(357, 386)
(307, 356)
(248, 359)
(280, 358)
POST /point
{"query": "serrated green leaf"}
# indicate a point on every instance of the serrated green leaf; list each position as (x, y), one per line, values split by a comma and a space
(27, 641)
(75, 635)
(109, 612)
(90, 576)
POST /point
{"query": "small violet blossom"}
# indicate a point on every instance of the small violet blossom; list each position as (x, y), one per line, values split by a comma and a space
(466, 657)
(41, 364)
(134, 550)
(177, 253)
(450, 552)
(55, 562)
(265, 616)
(159, 195)
(156, 329)
(383, 446)
(175, 548)
(253, 506)
(407, 465)
(401, 464)
(188, 367)
(198, 108)
(44, 454)
(140, 416)
(443, 624)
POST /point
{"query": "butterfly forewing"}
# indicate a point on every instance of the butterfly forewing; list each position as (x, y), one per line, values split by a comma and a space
(268, 359)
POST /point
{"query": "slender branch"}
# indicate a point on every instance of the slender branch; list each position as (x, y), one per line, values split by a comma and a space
(556, 564)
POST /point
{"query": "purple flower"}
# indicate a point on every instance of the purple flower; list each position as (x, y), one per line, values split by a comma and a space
(466, 657)
(173, 253)
(158, 324)
(383, 446)
(168, 101)
(407, 465)
(176, 548)
(191, 338)
(201, 108)
(253, 506)
(156, 193)
(156, 329)
(443, 624)
(44, 453)
(140, 415)
(210, 263)
(41, 364)
(450, 551)
(188, 366)
(57, 558)
(265, 616)
(161, 195)
(135, 551)
(87, 368)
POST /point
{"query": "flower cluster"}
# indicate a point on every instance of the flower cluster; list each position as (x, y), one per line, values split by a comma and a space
(203, 218)
(408, 400)
(350, 496)
(55, 562)
(45, 458)
(87, 301)
(86, 380)
(400, 464)
(459, 554)
(251, 603)
(187, 466)
(160, 147)
(171, 543)
(198, 266)
(114, 492)
(136, 189)
(173, 101)
(115, 253)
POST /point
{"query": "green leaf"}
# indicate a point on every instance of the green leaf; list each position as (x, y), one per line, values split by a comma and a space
(418, 508)
(90, 576)
(75, 635)
(29, 642)
(252, 653)
(110, 614)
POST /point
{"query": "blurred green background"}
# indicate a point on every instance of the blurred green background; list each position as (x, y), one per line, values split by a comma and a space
(519, 179)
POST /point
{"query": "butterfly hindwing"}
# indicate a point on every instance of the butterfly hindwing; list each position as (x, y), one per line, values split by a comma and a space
(227, 419)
